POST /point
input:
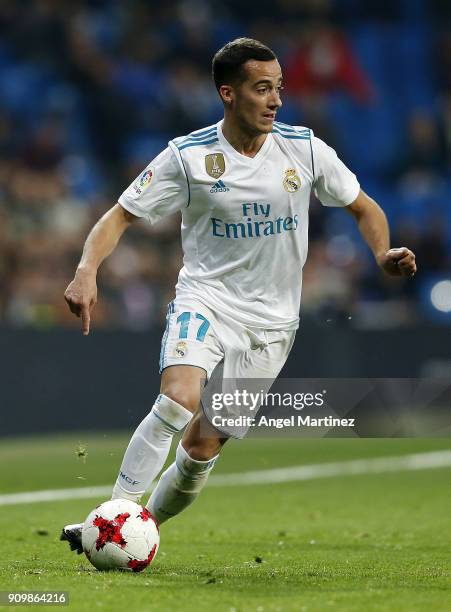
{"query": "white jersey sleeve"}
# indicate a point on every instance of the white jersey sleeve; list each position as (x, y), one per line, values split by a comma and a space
(334, 183)
(160, 190)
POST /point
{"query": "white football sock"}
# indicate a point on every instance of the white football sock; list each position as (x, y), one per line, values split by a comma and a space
(179, 485)
(149, 448)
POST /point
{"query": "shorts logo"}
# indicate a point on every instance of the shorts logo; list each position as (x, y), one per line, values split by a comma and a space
(291, 181)
(181, 349)
(143, 181)
(215, 164)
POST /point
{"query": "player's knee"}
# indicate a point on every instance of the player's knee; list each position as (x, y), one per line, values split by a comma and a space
(186, 398)
(202, 450)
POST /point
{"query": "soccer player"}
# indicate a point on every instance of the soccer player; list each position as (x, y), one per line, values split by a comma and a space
(243, 186)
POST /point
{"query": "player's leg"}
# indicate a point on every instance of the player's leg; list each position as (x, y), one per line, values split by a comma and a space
(184, 479)
(150, 444)
(189, 351)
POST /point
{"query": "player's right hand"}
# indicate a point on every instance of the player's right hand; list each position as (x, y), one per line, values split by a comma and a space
(81, 296)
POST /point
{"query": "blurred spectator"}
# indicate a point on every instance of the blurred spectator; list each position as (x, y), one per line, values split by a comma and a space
(429, 243)
(421, 160)
(43, 151)
(191, 96)
(323, 63)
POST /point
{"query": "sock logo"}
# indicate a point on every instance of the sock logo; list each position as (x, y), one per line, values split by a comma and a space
(128, 479)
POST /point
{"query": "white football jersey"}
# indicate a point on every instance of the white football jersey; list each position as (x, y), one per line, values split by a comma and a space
(244, 220)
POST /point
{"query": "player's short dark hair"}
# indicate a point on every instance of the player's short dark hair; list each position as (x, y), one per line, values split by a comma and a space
(227, 65)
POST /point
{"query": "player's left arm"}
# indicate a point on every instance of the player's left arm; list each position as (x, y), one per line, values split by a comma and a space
(373, 226)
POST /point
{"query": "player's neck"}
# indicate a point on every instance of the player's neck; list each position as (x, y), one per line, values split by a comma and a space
(245, 143)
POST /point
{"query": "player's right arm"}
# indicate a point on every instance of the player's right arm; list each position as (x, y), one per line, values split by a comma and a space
(81, 294)
(160, 190)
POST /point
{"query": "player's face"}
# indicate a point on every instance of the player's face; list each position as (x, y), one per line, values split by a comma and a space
(256, 101)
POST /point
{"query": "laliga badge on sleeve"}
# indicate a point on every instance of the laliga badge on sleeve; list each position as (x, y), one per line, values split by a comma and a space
(215, 164)
(143, 181)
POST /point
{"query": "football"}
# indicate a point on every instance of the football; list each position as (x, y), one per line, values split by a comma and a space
(120, 534)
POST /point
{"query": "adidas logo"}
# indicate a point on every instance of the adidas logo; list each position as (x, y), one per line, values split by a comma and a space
(219, 186)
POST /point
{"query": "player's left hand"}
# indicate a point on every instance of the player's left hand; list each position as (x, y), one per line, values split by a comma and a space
(398, 262)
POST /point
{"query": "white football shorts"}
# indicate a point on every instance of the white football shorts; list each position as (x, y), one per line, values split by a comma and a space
(197, 336)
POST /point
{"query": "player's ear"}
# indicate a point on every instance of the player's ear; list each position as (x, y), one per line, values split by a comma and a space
(226, 93)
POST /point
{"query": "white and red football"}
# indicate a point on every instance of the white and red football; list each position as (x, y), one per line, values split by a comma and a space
(120, 534)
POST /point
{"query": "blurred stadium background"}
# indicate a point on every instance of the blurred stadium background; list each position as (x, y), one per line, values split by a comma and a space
(91, 90)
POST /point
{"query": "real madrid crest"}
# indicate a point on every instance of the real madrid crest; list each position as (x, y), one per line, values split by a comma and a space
(215, 164)
(181, 348)
(291, 181)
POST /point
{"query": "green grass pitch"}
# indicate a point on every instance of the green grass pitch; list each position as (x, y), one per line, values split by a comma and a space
(362, 542)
